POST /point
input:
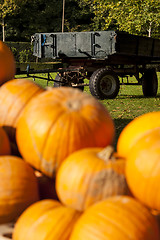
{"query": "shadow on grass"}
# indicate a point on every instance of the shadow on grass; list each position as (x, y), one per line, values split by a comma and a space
(124, 96)
(119, 125)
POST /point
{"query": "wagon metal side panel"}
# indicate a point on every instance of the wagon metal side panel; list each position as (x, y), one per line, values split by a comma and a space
(99, 44)
(74, 45)
(133, 45)
(156, 48)
(36, 40)
(94, 45)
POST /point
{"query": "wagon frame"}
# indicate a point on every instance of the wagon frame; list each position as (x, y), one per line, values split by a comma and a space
(101, 57)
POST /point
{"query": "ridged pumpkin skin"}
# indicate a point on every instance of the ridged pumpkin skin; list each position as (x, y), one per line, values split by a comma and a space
(18, 187)
(14, 96)
(45, 220)
(7, 63)
(5, 147)
(59, 122)
(143, 169)
(118, 217)
(90, 175)
(135, 129)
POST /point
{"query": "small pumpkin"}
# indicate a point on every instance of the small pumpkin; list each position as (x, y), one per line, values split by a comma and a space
(14, 96)
(143, 169)
(135, 129)
(46, 219)
(18, 187)
(90, 175)
(7, 63)
(118, 217)
(58, 122)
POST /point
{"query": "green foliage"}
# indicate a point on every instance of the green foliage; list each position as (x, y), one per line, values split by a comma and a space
(7, 7)
(24, 56)
(45, 16)
(23, 52)
(140, 17)
(24, 18)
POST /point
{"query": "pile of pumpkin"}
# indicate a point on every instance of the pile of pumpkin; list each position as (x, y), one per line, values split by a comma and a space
(60, 176)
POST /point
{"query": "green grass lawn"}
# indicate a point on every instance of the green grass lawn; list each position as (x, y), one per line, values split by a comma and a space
(129, 103)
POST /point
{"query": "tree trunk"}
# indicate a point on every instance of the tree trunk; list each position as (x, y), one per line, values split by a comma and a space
(3, 32)
(149, 30)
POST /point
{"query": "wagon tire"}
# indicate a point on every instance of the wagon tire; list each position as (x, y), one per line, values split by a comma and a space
(104, 83)
(150, 83)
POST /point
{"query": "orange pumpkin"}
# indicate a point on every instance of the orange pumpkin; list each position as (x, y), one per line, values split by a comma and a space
(90, 175)
(14, 96)
(118, 217)
(5, 147)
(18, 187)
(58, 122)
(134, 130)
(143, 169)
(7, 63)
(46, 219)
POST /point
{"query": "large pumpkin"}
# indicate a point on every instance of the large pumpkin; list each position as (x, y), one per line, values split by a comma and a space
(18, 187)
(143, 169)
(7, 63)
(58, 122)
(116, 218)
(135, 129)
(90, 175)
(14, 96)
(46, 219)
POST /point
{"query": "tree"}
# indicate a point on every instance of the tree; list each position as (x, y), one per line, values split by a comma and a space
(140, 17)
(33, 16)
(99, 10)
(6, 7)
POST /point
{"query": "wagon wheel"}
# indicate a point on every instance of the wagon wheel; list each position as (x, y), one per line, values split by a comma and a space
(150, 83)
(104, 83)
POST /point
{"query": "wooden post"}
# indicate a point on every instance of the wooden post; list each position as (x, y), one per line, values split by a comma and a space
(63, 16)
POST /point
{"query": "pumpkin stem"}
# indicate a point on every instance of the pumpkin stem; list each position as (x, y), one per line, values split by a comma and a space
(73, 105)
(49, 88)
(107, 153)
